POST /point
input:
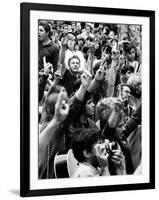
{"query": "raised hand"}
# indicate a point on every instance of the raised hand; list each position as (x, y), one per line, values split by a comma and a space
(102, 154)
(61, 107)
(86, 78)
(63, 42)
(117, 157)
(48, 67)
(92, 48)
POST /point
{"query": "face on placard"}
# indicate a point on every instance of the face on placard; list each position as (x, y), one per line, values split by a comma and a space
(131, 55)
(42, 34)
(74, 65)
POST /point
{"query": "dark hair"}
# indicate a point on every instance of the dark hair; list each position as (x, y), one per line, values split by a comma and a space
(126, 68)
(90, 38)
(74, 56)
(73, 34)
(83, 139)
(107, 49)
(128, 47)
(46, 27)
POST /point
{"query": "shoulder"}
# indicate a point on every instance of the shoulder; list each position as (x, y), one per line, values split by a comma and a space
(85, 171)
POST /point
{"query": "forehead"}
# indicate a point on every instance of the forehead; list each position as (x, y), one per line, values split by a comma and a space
(88, 27)
(126, 88)
(41, 27)
(70, 36)
(132, 50)
(75, 60)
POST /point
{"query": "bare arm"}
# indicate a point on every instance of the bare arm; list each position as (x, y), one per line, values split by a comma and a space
(90, 60)
(51, 133)
(62, 64)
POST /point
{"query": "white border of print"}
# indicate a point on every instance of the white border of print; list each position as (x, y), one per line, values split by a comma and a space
(36, 183)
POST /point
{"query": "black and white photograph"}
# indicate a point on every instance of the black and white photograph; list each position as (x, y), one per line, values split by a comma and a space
(88, 86)
(90, 91)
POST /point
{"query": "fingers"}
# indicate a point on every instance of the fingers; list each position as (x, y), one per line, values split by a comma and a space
(60, 97)
(117, 156)
(44, 60)
(87, 73)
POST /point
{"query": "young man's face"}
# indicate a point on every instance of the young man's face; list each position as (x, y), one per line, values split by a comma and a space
(90, 108)
(43, 35)
(74, 65)
(131, 55)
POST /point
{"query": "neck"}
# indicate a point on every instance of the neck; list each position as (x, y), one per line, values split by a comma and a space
(73, 73)
(46, 41)
(71, 48)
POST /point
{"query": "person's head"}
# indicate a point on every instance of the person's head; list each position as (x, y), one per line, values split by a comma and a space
(65, 28)
(111, 115)
(135, 83)
(130, 51)
(126, 72)
(50, 101)
(80, 40)
(124, 92)
(88, 28)
(71, 40)
(55, 36)
(89, 40)
(83, 142)
(90, 108)
(74, 64)
(44, 31)
(78, 26)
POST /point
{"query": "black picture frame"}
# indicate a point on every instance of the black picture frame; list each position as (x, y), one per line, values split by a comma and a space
(25, 9)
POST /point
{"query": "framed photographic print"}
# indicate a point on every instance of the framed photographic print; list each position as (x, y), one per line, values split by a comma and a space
(87, 99)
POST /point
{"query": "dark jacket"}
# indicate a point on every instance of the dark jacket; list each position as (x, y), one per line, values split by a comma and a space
(42, 84)
(51, 52)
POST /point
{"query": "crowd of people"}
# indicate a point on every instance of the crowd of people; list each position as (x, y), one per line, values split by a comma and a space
(90, 89)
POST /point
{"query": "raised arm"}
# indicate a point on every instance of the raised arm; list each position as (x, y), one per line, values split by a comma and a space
(62, 64)
(89, 64)
(51, 132)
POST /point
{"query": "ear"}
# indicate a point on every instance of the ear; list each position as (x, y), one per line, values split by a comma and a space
(87, 154)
